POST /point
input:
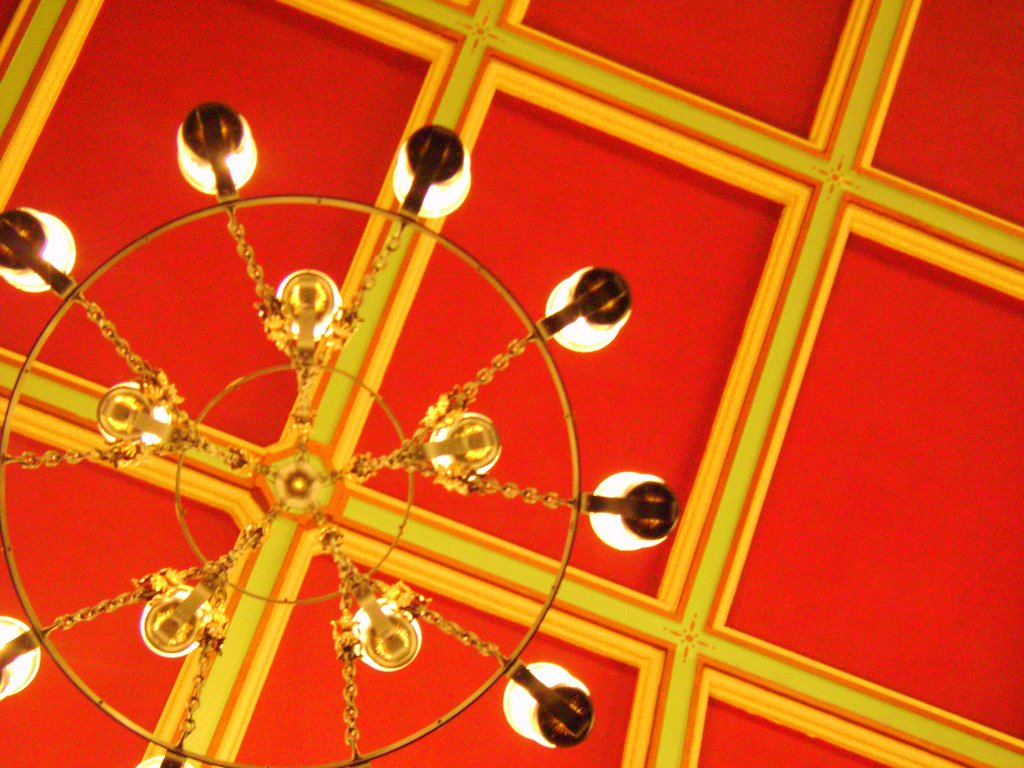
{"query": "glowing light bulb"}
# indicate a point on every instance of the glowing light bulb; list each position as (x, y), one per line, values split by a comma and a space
(157, 761)
(313, 300)
(468, 444)
(124, 413)
(212, 134)
(57, 248)
(185, 637)
(395, 651)
(21, 670)
(583, 334)
(528, 718)
(646, 531)
(451, 173)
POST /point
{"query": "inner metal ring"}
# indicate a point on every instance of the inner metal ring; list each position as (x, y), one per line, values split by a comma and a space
(180, 508)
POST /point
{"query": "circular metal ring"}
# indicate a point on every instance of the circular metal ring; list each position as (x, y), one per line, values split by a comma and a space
(330, 202)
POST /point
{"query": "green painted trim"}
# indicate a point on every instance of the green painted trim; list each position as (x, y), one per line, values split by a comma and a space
(77, 404)
(868, 79)
(892, 716)
(502, 567)
(241, 633)
(762, 409)
(939, 217)
(37, 387)
(25, 58)
(352, 359)
(686, 116)
(432, 12)
(339, 388)
(676, 715)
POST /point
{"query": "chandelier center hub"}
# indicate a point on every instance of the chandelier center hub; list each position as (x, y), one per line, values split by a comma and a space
(300, 482)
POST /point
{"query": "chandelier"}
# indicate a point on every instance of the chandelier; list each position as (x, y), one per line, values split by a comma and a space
(380, 625)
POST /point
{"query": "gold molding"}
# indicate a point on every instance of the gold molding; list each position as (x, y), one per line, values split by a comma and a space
(235, 720)
(648, 660)
(885, 93)
(933, 250)
(830, 99)
(805, 719)
(43, 98)
(794, 196)
(13, 30)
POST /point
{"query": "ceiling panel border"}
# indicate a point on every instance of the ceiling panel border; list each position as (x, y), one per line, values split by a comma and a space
(864, 158)
(971, 265)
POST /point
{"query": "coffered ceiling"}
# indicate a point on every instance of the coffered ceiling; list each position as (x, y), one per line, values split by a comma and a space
(820, 212)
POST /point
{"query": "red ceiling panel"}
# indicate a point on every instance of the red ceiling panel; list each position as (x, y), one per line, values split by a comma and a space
(90, 549)
(551, 196)
(888, 545)
(955, 118)
(766, 60)
(733, 738)
(105, 163)
(303, 695)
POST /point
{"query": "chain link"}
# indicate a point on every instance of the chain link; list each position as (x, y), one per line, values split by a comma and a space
(461, 397)
(350, 319)
(364, 466)
(210, 646)
(464, 636)
(346, 643)
(52, 458)
(108, 330)
(143, 591)
(125, 453)
(248, 254)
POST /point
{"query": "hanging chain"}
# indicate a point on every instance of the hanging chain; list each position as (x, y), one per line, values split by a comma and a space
(248, 254)
(350, 320)
(464, 636)
(209, 649)
(108, 330)
(302, 413)
(125, 453)
(461, 397)
(346, 643)
(53, 458)
(168, 579)
(364, 466)
(144, 590)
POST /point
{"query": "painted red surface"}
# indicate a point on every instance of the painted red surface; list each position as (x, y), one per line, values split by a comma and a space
(954, 125)
(90, 548)
(7, 9)
(733, 738)
(767, 60)
(303, 696)
(551, 197)
(888, 546)
(106, 165)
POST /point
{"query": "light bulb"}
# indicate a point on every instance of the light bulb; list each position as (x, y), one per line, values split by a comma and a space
(468, 444)
(626, 535)
(524, 712)
(451, 174)
(395, 651)
(313, 300)
(157, 761)
(124, 413)
(57, 248)
(185, 639)
(210, 134)
(21, 671)
(583, 334)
